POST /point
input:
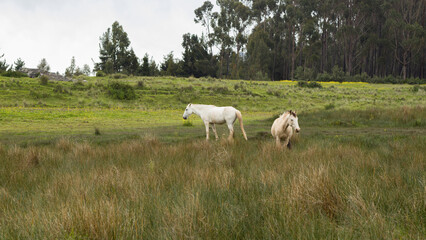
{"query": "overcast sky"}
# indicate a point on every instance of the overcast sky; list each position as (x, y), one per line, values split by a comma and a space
(58, 30)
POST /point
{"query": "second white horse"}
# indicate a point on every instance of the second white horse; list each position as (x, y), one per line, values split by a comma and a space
(284, 127)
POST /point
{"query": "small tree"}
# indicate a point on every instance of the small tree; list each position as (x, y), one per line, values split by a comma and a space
(78, 72)
(170, 66)
(86, 70)
(19, 64)
(153, 68)
(69, 71)
(43, 66)
(145, 66)
(3, 64)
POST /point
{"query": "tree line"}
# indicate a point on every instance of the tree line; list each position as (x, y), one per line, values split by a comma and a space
(288, 39)
(327, 40)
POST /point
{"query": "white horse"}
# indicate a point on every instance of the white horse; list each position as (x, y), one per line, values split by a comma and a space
(211, 114)
(284, 127)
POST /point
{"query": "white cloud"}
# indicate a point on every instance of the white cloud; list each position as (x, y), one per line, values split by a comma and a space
(58, 30)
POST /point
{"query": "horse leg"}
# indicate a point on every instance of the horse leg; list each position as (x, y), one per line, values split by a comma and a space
(286, 142)
(207, 130)
(214, 130)
(278, 141)
(231, 131)
(289, 144)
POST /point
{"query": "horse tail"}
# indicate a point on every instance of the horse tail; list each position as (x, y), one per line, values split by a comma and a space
(240, 119)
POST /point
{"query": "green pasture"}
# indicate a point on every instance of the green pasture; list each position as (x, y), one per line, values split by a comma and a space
(79, 164)
(175, 93)
(32, 112)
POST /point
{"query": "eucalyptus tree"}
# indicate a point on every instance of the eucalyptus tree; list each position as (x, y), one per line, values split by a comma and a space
(204, 16)
(405, 18)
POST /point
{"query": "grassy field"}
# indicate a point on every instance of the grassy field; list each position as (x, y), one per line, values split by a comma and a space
(356, 171)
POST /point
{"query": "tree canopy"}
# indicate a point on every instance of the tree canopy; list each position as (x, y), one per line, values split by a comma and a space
(288, 39)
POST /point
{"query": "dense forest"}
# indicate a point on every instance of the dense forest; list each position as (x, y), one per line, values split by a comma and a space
(326, 40)
(280, 39)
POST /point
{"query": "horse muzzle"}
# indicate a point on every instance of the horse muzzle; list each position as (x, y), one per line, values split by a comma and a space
(185, 118)
(298, 130)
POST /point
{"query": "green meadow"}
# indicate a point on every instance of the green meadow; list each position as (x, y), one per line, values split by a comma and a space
(78, 163)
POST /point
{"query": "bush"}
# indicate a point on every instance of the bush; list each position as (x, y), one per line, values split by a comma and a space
(298, 73)
(44, 80)
(60, 89)
(187, 94)
(324, 77)
(140, 84)
(118, 75)
(260, 76)
(14, 74)
(415, 88)
(218, 89)
(304, 73)
(187, 123)
(38, 95)
(241, 85)
(100, 73)
(363, 77)
(337, 74)
(276, 93)
(305, 84)
(329, 106)
(121, 91)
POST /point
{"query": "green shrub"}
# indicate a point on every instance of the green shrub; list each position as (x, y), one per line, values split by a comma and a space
(187, 94)
(44, 80)
(329, 106)
(337, 74)
(118, 76)
(121, 91)
(187, 123)
(219, 89)
(298, 73)
(304, 73)
(100, 73)
(14, 74)
(60, 89)
(140, 84)
(415, 88)
(305, 84)
(324, 77)
(363, 77)
(187, 89)
(273, 92)
(38, 95)
(260, 76)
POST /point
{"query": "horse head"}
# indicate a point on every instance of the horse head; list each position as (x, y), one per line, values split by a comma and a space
(293, 121)
(188, 111)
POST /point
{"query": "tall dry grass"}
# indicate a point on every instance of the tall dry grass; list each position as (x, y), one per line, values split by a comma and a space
(322, 189)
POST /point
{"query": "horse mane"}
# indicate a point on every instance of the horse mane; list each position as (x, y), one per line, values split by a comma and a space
(285, 114)
(194, 104)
